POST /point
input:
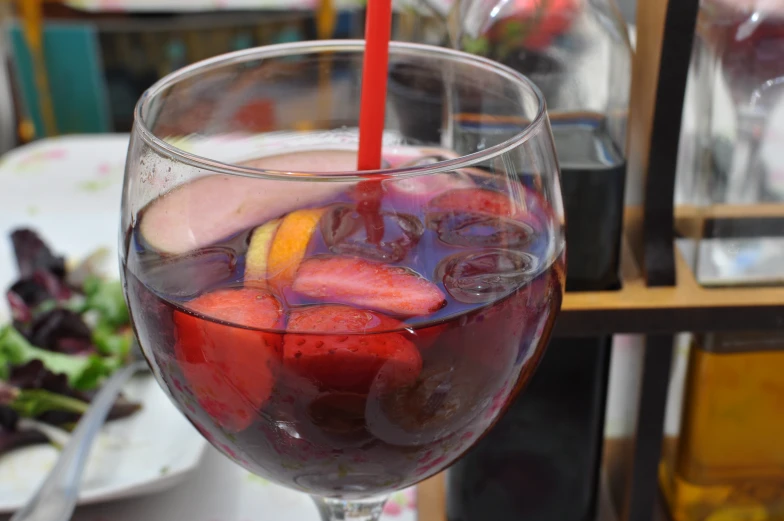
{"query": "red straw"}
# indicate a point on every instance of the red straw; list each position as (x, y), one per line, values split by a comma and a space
(378, 31)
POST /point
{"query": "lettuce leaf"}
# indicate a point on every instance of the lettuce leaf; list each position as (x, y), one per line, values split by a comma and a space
(83, 372)
(105, 297)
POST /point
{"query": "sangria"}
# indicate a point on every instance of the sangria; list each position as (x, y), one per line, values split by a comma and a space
(342, 333)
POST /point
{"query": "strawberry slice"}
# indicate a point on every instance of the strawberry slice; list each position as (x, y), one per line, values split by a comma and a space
(229, 368)
(362, 344)
(367, 284)
(477, 200)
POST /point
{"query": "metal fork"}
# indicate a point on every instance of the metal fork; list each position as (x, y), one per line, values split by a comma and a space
(56, 499)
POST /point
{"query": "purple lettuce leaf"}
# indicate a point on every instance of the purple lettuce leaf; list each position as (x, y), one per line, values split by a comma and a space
(32, 254)
(33, 375)
(63, 331)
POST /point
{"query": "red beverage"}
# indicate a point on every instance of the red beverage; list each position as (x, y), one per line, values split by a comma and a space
(327, 362)
(748, 38)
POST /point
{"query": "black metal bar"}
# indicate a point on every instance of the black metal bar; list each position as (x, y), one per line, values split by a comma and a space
(670, 321)
(659, 222)
(643, 491)
(743, 228)
(659, 258)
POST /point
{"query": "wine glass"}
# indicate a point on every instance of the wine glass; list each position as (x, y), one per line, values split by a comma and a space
(342, 333)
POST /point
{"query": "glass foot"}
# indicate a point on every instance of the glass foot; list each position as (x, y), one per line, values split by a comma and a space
(368, 509)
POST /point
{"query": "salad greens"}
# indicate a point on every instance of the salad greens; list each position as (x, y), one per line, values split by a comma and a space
(69, 332)
(84, 372)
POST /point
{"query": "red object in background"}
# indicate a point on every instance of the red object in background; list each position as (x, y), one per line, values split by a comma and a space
(256, 116)
(542, 20)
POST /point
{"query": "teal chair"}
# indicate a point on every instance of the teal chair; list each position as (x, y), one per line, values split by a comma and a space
(77, 88)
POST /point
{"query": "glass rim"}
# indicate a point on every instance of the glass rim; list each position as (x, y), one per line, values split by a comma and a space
(167, 149)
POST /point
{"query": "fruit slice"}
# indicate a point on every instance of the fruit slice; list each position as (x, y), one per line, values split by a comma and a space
(204, 211)
(258, 253)
(367, 284)
(290, 245)
(362, 345)
(230, 369)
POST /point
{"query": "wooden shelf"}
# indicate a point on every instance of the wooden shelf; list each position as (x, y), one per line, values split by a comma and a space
(688, 306)
(431, 499)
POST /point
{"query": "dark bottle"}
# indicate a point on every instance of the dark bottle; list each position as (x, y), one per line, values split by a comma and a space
(541, 461)
(578, 53)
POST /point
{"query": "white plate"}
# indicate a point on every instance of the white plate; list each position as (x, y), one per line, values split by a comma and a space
(68, 189)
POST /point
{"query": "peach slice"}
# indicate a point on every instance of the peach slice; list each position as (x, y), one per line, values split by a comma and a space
(258, 254)
(211, 208)
(290, 244)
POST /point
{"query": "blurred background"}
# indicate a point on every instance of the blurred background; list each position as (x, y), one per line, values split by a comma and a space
(78, 66)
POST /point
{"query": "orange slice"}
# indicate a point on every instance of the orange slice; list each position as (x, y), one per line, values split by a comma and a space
(256, 260)
(290, 245)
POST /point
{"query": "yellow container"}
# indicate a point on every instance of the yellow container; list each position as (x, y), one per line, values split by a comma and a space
(728, 462)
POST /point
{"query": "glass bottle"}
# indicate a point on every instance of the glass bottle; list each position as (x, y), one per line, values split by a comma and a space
(578, 53)
(731, 167)
(541, 461)
(728, 462)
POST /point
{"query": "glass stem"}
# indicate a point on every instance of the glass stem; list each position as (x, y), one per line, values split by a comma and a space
(368, 509)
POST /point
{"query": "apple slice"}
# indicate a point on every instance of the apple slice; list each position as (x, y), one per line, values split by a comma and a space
(258, 253)
(204, 211)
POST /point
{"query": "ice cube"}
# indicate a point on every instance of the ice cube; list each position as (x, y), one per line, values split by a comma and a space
(476, 277)
(345, 232)
(470, 229)
(439, 404)
(183, 277)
